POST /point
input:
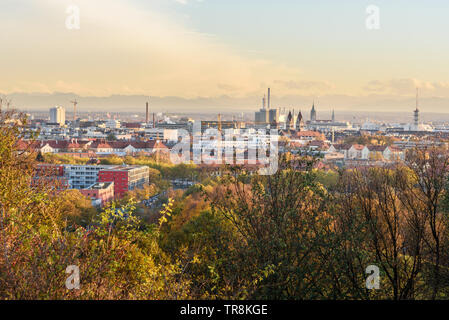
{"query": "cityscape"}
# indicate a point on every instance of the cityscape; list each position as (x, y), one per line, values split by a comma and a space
(222, 157)
(333, 141)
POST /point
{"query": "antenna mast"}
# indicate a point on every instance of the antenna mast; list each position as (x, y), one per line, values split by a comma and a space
(417, 92)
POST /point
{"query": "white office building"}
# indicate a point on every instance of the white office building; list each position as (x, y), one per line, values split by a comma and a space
(82, 176)
(57, 115)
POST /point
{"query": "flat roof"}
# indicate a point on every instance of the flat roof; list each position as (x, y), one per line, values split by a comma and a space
(100, 185)
(123, 168)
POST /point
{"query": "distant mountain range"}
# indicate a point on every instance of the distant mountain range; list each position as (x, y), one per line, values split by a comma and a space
(136, 103)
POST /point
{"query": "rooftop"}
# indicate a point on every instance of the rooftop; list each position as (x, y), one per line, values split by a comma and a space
(100, 185)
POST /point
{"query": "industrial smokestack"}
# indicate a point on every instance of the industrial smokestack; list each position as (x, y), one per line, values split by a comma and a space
(147, 118)
(269, 98)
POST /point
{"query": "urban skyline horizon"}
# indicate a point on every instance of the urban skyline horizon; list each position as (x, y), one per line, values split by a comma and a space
(213, 105)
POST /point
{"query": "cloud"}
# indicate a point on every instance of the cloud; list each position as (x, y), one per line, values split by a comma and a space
(305, 86)
(407, 87)
(121, 48)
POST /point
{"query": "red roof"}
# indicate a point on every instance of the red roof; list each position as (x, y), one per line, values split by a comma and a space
(342, 146)
(100, 144)
(151, 144)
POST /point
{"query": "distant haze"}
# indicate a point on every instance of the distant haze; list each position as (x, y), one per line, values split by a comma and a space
(136, 103)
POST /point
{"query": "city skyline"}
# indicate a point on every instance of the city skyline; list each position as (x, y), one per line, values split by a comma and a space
(211, 54)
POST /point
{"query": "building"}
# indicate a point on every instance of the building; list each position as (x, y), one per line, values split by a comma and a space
(379, 153)
(50, 174)
(416, 112)
(100, 193)
(289, 124)
(112, 124)
(299, 122)
(376, 153)
(313, 113)
(169, 135)
(273, 116)
(57, 115)
(358, 151)
(125, 178)
(82, 176)
(326, 125)
(223, 125)
(340, 148)
(262, 116)
(266, 115)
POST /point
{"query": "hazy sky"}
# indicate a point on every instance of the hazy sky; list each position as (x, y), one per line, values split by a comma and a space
(236, 48)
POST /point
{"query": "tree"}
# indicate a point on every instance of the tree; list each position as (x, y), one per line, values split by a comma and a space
(430, 168)
(118, 256)
(374, 203)
(279, 222)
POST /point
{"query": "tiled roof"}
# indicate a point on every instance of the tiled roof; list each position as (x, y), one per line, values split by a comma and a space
(342, 146)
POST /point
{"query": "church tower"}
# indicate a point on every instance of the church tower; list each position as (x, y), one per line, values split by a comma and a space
(299, 122)
(289, 124)
(313, 113)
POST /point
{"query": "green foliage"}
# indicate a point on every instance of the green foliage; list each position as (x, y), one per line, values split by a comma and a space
(118, 256)
(369, 140)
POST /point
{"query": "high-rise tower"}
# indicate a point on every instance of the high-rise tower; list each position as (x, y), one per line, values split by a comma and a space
(57, 115)
(416, 112)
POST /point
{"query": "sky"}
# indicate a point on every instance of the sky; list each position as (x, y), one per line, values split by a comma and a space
(233, 49)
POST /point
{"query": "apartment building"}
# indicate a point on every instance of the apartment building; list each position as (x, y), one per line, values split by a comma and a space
(125, 178)
(82, 176)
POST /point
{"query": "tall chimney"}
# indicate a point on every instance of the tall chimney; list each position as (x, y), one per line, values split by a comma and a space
(269, 98)
(154, 121)
(147, 118)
